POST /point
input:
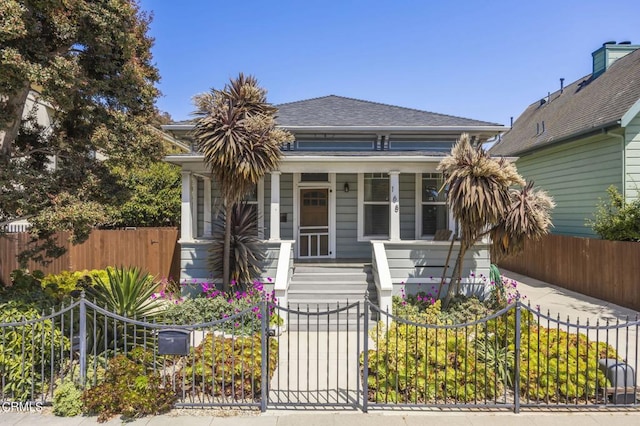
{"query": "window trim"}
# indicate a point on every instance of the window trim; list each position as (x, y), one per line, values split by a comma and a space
(361, 203)
(420, 203)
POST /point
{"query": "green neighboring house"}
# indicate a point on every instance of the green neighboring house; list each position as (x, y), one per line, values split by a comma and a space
(583, 138)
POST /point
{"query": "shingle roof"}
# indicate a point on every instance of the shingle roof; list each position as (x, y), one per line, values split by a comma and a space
(585, 105)
(340, 111)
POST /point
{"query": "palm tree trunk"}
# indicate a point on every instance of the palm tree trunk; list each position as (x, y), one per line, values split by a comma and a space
(446, 267)
(226, 261)
(454, 283)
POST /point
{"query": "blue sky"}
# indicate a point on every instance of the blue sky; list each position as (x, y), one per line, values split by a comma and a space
(485, 60)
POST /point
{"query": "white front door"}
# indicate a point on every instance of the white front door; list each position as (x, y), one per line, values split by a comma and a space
(313, 229)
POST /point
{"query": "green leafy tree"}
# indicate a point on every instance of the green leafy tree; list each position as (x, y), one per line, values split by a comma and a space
(487, 196)
(617, 219)
(236, 131)
(88, 64)
(153, 196)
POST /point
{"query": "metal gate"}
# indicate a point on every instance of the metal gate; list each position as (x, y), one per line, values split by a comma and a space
(318, 357)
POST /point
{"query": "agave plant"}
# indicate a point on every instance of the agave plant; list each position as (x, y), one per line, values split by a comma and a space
(127, 291)
(246, 255)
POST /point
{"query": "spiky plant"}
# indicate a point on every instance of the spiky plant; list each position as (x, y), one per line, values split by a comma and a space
(246, 255)
(236, 132)
(529, 216)
(483, 200)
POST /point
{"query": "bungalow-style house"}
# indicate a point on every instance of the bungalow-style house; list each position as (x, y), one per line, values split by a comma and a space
(582, 138)
(358, 186)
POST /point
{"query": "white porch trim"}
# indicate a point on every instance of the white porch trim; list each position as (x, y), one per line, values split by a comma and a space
(274, 225)
(394, 205)
(186, 215)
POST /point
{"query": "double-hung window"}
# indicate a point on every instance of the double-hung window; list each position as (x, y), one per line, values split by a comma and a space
(375, 205)
(433, 204)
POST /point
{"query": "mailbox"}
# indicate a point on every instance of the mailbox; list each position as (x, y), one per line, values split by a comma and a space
(173, 341)
(622, 379)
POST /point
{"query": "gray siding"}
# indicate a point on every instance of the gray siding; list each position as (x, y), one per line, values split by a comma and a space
(632, 158)
(286, 205)
(347, 244)
(407, 206)
(419, 266)
(193, 262)
(576, 175)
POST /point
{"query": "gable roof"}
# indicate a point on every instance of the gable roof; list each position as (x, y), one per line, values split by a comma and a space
(586, 105)
(338, 111)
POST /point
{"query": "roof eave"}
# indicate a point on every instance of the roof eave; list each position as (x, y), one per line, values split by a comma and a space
(412, 129)
(578, 135)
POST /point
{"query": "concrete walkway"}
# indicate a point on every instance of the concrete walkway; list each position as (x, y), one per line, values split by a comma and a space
(567, 303)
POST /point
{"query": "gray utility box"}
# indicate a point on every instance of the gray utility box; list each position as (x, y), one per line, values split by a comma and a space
(622, 379)
(173, 341)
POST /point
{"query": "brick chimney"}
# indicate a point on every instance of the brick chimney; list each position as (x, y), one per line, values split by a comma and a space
(609, 53)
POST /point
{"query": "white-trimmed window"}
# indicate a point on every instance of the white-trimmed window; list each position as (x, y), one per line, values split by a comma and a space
(256, 199)
(374, 210)
(432, 209)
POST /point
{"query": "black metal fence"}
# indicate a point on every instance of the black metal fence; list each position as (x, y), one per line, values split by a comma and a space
(333, 358)
(517, 357)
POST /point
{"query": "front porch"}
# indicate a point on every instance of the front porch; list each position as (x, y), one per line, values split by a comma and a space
(330, 209)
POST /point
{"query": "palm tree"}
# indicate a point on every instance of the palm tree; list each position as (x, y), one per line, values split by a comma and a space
(484, 200)
(236, 132)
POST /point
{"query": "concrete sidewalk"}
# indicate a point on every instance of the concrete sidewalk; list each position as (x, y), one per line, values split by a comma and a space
(315, 418)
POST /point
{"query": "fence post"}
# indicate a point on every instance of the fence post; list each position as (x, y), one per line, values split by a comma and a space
(365, 367)
(83, 339)
(516, 381)
(264, 340)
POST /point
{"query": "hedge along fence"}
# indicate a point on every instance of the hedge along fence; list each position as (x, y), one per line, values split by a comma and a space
(152, 249)
(607, 270)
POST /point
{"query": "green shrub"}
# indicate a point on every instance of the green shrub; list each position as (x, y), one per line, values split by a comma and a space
(26, 352)
(206, 309)
(463, 309)
(560, 366)
(417, 365)
(131, 388)
(229, 366)
(67, 400)
(617, 219)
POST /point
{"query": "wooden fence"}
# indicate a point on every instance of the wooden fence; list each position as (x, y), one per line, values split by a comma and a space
(608, 270)
(152, 249)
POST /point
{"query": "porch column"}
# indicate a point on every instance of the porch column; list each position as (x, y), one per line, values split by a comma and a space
(186, 218)
(207, 206)
(394, 205)
(274, 226)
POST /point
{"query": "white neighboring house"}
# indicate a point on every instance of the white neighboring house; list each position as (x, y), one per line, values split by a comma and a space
(44, 112)
(358, 184)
